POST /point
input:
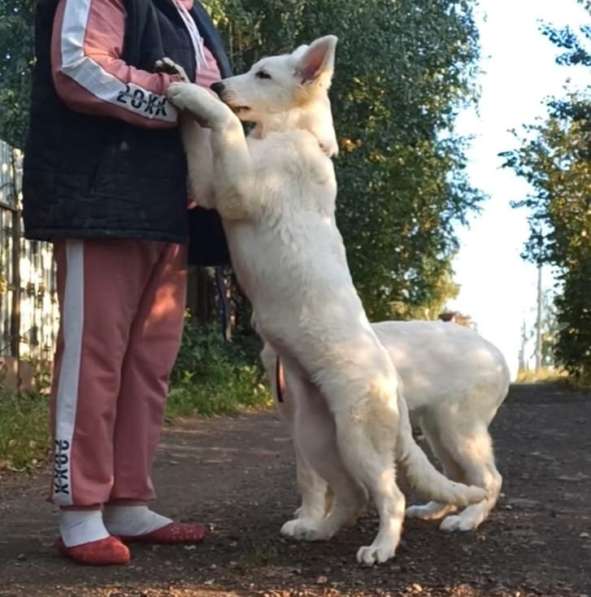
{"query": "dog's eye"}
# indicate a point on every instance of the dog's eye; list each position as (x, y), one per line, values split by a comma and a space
(263, 75)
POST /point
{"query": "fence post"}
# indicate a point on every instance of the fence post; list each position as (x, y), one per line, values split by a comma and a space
(15, 320)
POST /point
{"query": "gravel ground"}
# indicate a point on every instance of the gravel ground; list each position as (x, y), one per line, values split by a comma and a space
(237, 475)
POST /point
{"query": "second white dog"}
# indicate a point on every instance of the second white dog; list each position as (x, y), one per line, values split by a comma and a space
(453, 381)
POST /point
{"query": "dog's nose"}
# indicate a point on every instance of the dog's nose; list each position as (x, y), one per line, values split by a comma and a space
(217, 87)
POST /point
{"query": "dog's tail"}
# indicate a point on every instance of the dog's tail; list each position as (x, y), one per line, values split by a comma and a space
(423, 476)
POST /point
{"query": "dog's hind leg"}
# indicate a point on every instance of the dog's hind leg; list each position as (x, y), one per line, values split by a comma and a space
(435, 510)
(364, 405)
(313, 489)
(366, 432)
(473, 452)
(316, 446)
(464, 448)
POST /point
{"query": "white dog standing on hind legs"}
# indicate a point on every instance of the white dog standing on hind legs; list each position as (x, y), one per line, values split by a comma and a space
(453, 382)
(276, 195)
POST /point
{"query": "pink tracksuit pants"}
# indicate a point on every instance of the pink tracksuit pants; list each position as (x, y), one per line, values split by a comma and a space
(122, 304)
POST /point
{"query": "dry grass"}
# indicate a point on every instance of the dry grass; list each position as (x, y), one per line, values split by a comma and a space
(545, 375)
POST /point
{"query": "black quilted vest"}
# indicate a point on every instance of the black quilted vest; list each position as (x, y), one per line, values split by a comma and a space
(97, 177)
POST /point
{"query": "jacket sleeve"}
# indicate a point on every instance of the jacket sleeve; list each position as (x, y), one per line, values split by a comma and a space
(89, 74)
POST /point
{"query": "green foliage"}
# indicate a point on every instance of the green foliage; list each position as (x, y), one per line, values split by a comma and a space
(16, 60)
(214, 377)
(404, 68)
(572, 44)
(550, 330)
(442, 290)
(24, 431)
(555, 158)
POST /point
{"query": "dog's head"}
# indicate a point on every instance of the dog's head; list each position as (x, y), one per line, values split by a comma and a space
(290, 88)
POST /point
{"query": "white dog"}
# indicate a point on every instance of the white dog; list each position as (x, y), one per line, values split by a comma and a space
(453, 382)
(276, 195)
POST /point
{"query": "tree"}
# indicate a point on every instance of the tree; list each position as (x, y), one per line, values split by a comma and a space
(555, 158)
(16, 60)
(549, 330)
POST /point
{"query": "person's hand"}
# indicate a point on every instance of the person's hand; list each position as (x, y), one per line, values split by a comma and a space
(168, 66)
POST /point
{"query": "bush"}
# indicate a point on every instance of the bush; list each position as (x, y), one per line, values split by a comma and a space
(213, 377)
(24, 431)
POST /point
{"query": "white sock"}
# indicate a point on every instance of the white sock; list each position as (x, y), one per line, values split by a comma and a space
(133, 520)
(81, 526)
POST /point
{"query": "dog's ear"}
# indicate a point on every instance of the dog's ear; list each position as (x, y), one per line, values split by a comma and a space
(317, 59)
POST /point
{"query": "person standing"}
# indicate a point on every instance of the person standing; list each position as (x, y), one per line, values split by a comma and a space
(105, 181)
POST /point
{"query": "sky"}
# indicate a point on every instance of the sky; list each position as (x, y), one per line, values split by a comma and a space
(498, 288)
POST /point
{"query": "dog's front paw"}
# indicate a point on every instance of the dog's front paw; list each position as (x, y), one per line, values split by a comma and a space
(182, 95)
(205, 108)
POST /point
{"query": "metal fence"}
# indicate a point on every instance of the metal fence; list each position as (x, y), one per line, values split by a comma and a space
(28, 300)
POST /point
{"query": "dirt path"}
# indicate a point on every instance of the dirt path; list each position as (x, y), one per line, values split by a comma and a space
(237, 474)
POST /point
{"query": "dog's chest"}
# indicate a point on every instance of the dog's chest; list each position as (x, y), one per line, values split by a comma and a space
(286, 253)
(294, 176)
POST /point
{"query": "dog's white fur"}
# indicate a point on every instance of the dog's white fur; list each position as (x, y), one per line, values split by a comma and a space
(276, 195)
(453, 382)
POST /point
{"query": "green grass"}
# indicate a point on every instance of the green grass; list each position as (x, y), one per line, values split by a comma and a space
(24, 431)
(225, 390)
(213, 377)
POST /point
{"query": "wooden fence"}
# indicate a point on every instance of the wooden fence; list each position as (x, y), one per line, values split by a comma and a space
(28, 300)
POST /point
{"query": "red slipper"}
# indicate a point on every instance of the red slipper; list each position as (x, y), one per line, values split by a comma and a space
(104, 552)
(175, 533)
